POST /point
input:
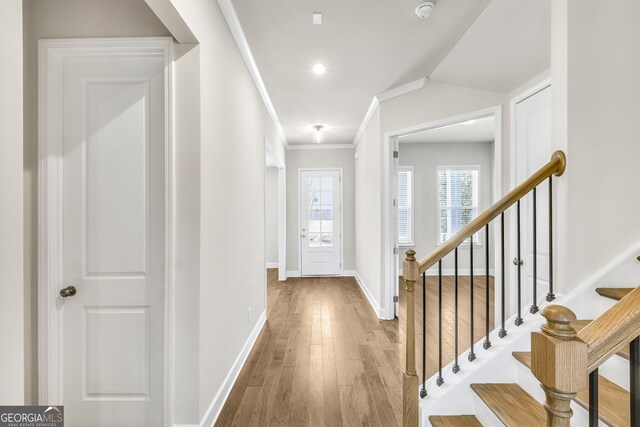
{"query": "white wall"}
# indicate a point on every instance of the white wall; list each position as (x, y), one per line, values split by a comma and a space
(232, 230)
(321, 158)
(61, 19)
(12, 337)
(425, 159)
(271, 206)
(595, 69)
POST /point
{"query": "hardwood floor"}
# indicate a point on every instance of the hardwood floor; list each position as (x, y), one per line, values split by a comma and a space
(324, 358)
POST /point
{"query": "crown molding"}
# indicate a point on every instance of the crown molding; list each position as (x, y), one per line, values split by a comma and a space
(233, 22)
(319, 146)
(384, 96)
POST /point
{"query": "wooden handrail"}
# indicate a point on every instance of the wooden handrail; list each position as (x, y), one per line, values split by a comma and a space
(614, 329)
(555, 167)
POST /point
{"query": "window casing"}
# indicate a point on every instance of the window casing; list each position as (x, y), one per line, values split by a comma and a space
(458, 199)
(405, 205)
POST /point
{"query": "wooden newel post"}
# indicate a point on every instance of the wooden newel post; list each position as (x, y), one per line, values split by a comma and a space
(410, 379)
(559, 362)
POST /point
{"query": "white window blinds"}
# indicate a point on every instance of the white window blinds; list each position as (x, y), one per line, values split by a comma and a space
(405, 205)
(457, 199)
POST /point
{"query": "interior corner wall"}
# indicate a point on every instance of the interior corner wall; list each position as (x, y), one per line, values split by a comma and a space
(234, 126)
(60, 19)
(600, 72)
(186, 232)
(321, 158)
(12, 317)
(368, 208)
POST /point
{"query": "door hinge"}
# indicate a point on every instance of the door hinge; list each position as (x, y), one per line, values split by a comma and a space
(396, 251)
(396, 298)
(395, 202)
(396, 154)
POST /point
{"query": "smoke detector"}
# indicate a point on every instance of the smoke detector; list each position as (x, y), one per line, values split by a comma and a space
(425, 9)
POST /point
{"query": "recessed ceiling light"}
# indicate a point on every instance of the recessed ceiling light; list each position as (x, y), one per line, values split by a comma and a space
(317, 18)
(319, 69)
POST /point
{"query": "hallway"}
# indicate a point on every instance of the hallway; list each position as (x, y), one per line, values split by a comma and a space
(324, 358)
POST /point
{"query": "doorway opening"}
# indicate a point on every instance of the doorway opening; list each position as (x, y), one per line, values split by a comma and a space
(275, 215)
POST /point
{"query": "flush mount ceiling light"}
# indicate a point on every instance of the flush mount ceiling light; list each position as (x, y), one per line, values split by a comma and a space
(319, 69)
(318, 136)
(425, 9)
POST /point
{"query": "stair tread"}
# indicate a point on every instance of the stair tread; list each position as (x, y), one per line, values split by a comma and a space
(578, 325)
(511, 404)
(614, 293)
(613, 399)
(454, 421)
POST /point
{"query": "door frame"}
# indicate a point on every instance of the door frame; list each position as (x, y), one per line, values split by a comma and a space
(513, 162)
(340, 174)
(51, 53)
(391, 273)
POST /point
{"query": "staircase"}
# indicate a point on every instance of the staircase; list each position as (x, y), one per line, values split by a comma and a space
(542, 366)
(513, 406)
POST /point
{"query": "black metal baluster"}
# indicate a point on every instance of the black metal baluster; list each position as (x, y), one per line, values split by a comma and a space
(503, 331)
(456, 366)
(593, 399)
(423, 392)
(440, 380)
(518, 263)
(487, 342)
(550, 295)
(472, 354)
(534, 304)
(634, 389)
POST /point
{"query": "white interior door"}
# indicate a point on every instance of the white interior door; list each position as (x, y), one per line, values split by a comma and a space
(113, 241)
(320, 222)
(533, 150)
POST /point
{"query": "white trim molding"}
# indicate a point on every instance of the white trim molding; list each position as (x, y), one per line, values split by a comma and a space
(216, 405)
(384, 96)
(319, 146)
(233, 22)
(367, 293)
(51, 54)
(273, 264)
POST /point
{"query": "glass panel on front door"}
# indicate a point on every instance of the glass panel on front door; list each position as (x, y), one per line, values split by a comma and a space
(320, 192)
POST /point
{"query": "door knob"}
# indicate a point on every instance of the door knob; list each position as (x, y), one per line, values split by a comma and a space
(69, 291)
(303, 236)
(517, 261)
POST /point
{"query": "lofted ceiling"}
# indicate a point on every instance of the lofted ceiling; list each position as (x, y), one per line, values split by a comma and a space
(369, 47)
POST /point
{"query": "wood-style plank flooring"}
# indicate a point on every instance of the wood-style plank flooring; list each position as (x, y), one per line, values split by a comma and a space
(325, 359)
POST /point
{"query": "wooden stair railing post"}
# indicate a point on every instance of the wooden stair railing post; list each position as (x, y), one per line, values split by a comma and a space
(559, 362)
(410, 378)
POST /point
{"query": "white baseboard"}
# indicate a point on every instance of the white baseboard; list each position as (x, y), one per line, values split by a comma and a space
(186, 425)
(345, 273)
(461, 272)
(367, 293)
(220, 398)
(273, 264)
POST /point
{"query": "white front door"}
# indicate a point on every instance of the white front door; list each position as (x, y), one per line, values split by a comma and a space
(320, 222)
(112, 256)
(533, 150)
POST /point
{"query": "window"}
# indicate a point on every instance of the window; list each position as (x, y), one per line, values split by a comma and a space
(457, 199)
(405, 205)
